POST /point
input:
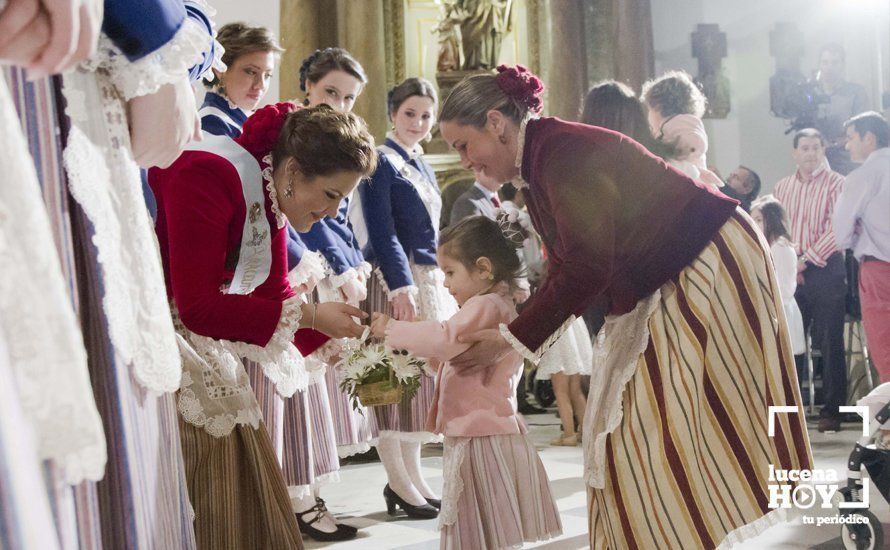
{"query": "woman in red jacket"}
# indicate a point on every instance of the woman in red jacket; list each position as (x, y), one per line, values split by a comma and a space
(223, 207)
(676, 439)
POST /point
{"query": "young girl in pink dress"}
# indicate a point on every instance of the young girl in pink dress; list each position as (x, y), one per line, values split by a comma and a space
(496, 492)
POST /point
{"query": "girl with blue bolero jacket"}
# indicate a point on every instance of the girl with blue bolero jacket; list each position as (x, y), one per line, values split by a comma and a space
(397, 223)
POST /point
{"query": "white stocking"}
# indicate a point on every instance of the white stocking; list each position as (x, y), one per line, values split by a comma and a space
(411, 458)
(399, 481)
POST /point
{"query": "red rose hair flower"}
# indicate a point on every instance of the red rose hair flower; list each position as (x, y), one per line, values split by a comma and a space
(522, 86)
(260, 132)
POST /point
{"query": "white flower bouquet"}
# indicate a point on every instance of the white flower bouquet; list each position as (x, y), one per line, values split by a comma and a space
(374, 375)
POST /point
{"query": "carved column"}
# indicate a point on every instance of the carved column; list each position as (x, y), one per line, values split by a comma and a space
(567, 78)
(361, 30)
(306, 25)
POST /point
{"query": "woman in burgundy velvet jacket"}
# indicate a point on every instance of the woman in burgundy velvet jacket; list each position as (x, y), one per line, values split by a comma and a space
(223, 207)
(693, 349)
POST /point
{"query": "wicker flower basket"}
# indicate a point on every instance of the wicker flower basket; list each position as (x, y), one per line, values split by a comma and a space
(378, 394)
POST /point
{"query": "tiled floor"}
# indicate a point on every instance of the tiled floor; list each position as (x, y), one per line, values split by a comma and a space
(358, 498)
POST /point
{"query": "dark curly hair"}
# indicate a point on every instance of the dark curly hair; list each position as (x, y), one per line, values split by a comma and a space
(324, 141)
(481, 237)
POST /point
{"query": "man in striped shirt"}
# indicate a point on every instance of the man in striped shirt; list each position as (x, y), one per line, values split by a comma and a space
(809, 196)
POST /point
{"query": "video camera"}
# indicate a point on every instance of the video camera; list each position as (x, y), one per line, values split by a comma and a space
(796, 101)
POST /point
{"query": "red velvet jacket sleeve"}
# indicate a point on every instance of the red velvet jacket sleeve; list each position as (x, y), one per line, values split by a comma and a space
(201, 201)
(582, 206)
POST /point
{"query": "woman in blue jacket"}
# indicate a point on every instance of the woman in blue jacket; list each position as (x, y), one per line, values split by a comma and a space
(397, 224)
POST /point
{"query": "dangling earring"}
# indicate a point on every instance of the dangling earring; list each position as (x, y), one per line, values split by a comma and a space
(489, 276)
(289, 190)
(502, 139)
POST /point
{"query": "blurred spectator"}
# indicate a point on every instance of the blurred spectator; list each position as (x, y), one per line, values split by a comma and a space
(834, 101)
(862, 222)
(479, 200)
(743, 185)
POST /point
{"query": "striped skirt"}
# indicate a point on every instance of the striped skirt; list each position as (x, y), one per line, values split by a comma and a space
(301, 430)
(239, 497)
(496, 494)
(677, 448)
(407, 420)
(353, 429)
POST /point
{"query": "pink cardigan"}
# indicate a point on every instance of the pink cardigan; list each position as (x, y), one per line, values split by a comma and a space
(475, 401)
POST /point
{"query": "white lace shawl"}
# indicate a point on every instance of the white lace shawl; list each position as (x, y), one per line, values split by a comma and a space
(105, 180)
(618, 348)
(45, 346)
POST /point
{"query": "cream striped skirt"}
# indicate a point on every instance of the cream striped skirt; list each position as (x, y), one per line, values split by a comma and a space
(677, 449)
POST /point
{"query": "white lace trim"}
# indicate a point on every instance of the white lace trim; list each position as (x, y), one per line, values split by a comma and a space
(434, 303)
(407, 289)
(518, 182)
(344, 451)
(280, 360)
(280, 218)
(310, 270)
(452, 460)
(619, 345)
(362, 270)
(315, 368)
(328, 353)
(535, 356)
(168, 64)
(303, 491)
(756, 527)
(408, 437)
(105, 181)
(219, 425)
(40, 329)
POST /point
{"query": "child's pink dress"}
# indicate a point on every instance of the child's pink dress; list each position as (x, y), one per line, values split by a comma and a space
(496, 493)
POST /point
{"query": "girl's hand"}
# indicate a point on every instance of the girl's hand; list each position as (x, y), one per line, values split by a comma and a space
(378, 324)
(404, 308)
(488, 346)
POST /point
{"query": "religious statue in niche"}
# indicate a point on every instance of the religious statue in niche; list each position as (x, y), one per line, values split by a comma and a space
(709, 47)
(448, 29)
(481, 25)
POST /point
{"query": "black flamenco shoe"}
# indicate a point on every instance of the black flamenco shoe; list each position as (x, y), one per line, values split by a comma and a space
(343, 526)
(424, 511)
(434, 502)
(306, 528)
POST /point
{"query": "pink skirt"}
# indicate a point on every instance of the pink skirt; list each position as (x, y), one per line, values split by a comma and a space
(496, 494)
